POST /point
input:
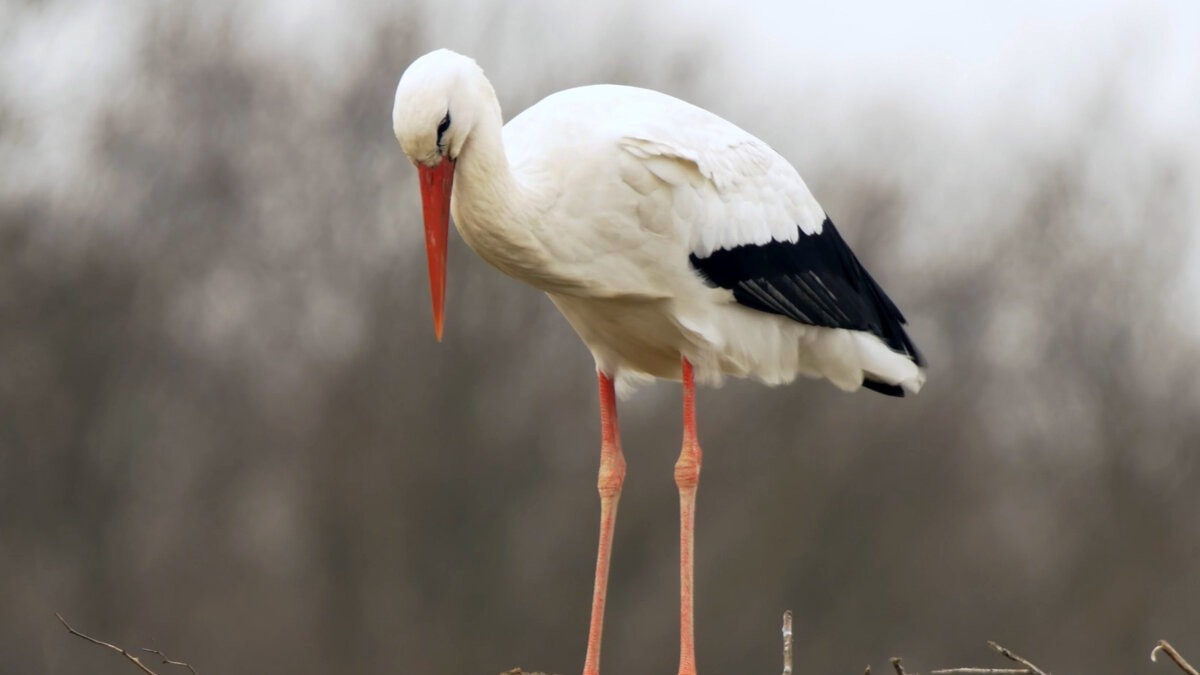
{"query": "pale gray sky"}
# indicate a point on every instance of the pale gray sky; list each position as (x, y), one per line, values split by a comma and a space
(961, 55)
(968, 66)
(953, 58)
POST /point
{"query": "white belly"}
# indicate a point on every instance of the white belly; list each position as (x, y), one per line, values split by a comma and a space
(633, 339)
(628, 337)
(638, 338)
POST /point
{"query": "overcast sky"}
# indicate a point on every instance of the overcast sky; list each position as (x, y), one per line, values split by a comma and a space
(953, 55)
(952, 62)
(960, 56)
(949, 54)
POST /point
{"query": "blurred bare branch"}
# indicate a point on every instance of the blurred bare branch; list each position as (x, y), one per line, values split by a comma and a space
(214, 339)
(1175, 656)
(1027, 669)
(1013, 657)
(787, 642)
(981, 670)
(171, 662)
(120, 650)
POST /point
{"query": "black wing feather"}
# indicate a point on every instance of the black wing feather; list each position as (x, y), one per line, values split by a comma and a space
(816, 280)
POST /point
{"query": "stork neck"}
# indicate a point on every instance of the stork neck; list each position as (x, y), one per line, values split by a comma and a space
(491, 209)
(482, 171)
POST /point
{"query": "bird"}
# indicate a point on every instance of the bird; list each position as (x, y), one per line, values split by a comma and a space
(676, 244)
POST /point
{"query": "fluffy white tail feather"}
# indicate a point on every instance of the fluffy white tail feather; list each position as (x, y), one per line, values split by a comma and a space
(881, 363)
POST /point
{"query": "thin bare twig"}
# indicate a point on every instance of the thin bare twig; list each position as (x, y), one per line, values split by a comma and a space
(1165, 646)
(169, 661)
(982, 671)
(1029, 668)
(787, 642)
(899, 668)
(137, 662)
(1033, 670)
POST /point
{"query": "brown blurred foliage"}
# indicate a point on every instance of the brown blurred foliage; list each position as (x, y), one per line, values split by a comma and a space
(226, 430)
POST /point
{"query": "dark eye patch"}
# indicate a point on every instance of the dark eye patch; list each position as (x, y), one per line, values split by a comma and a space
(442, 127)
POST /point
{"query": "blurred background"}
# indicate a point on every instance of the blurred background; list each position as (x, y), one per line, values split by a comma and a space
(227, 432)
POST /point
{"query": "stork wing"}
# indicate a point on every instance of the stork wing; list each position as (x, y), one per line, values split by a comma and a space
(728, 188)
(815, 280)
(754, 228)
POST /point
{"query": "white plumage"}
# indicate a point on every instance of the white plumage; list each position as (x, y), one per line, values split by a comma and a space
(604, 196)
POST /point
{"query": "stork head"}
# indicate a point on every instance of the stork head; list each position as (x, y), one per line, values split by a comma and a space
(440, 98)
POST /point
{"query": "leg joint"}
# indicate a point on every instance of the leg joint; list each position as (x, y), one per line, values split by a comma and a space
(612, 472)
(687, 468)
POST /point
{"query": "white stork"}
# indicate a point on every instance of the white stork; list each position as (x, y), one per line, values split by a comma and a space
(676, 244)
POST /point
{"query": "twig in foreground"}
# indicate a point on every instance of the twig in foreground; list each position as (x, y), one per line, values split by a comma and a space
(169, 661)
(137, 662)
(899, 668)
(982, 671)
(1165, 646)
(787, 642)
(1029, 668)
(1034, 670)
(133, 659)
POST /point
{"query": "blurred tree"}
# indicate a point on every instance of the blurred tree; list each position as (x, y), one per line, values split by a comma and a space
(227, 433)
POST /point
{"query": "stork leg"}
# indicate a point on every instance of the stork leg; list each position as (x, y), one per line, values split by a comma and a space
(687, 477)
(612, 476)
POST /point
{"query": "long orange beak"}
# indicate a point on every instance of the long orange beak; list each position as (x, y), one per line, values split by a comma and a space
(435, 201)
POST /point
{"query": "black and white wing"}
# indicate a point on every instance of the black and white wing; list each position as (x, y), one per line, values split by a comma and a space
(816, 280)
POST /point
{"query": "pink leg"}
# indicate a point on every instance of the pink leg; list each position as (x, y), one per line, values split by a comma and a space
(687, 477)
(612, 476)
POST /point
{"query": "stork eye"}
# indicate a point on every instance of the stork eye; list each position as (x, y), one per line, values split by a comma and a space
(442, 127)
